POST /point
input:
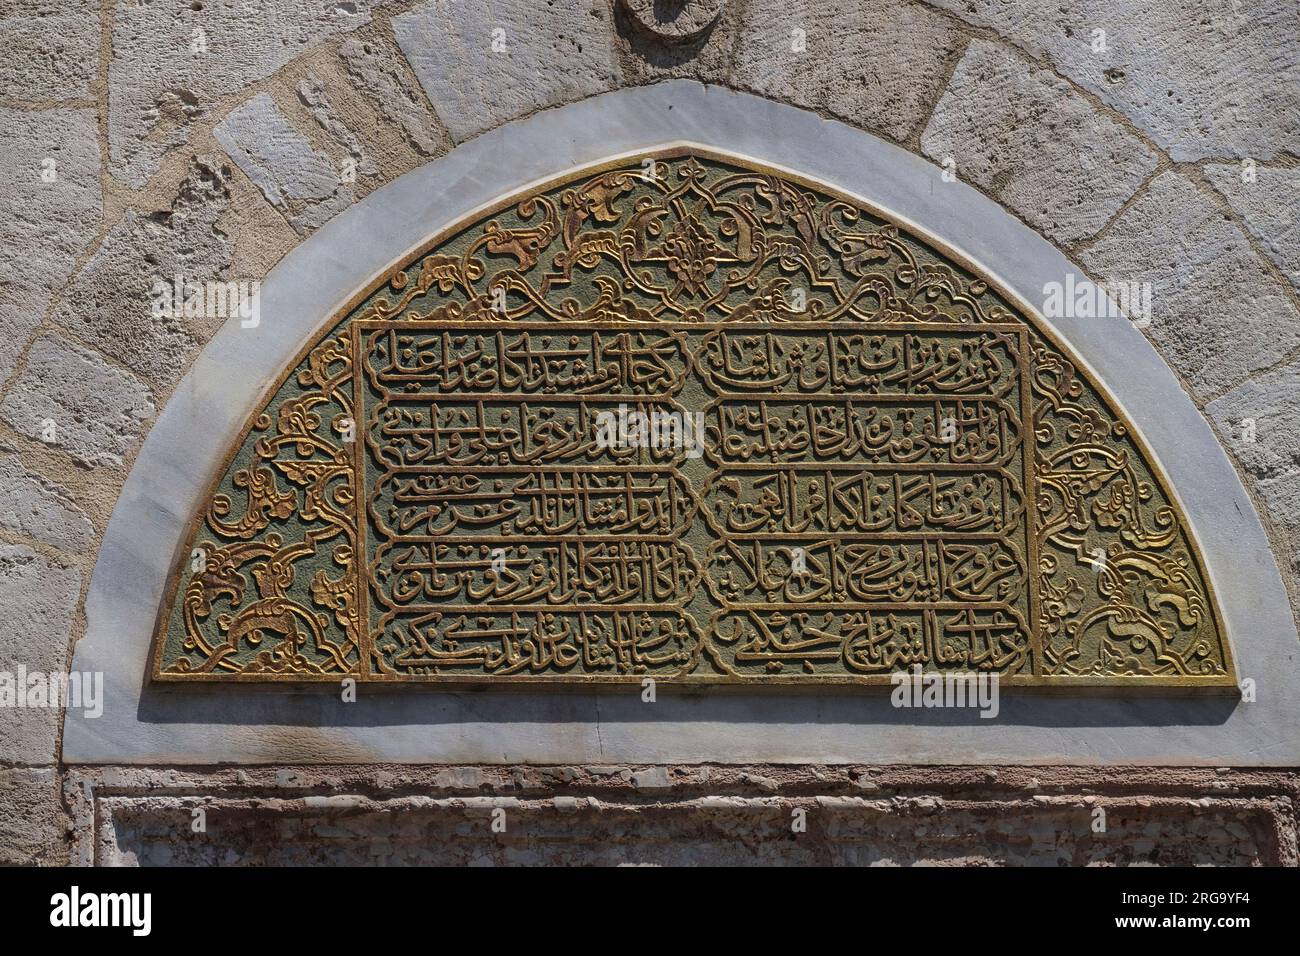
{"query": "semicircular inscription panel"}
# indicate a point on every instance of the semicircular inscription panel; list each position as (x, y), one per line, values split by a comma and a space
(689, 418)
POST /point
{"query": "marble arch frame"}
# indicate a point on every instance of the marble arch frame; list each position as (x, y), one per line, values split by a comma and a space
(142, 723)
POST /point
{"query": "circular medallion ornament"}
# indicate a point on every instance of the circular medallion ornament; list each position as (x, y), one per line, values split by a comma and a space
(674, 21)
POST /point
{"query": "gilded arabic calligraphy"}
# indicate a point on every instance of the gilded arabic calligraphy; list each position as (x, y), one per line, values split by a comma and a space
(696, 421)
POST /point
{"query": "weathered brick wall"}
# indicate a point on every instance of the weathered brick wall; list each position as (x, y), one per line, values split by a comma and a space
(140, 141)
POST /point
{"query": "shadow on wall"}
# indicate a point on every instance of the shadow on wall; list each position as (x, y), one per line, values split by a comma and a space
(321, 706)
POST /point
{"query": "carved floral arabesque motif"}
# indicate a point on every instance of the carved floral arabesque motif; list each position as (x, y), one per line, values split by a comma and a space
(895, 467)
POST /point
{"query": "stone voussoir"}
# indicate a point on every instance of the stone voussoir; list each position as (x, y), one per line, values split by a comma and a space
(382, 74)
(71, 398)
(1218, 314)
(1067, 172)
(483, 65)
(168, 72)
(1201, 80)
(1258, 418)
(123, 301)
(876, 64)
(35, 506)
(1267, 198)
(295, 177)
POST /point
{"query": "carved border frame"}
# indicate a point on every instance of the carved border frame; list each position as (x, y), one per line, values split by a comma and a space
(1021, 683)
(308, 288)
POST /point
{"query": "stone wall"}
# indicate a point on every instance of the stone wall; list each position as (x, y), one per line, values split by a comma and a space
(142, 140)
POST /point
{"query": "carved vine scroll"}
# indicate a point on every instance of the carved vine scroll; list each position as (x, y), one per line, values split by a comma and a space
(692, 419)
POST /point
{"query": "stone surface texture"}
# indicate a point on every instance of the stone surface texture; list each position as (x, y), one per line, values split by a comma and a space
(1267, 198)
(113, 302)
(673, 22)
(877, 64)
(312, 94)
(172, 65)
(34, 827)
(376, 68)
(1259, 423)
(74, 399)
(1203, 258)
(294, 177)
(1201, 80)
(737, 816)
(51, 204)
(34, 506)
(1124, 148)
(1033, 141)
(482, 65)
(39, 596)
(48, 50)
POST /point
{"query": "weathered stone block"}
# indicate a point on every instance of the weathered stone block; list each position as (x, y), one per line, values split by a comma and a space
(92, 410)
(878, 64)
(1269, 204)
(113, 302)
(50, 197)
(39, 598)
(48, 50)
(21, 310)
(32, 505)
(170, 69)
(34, 827)
(1260, 422)
(379, 71)
(296, 178)
(651, 779)
(482, 65)
(1259, 419)
(1199, 79)
(721, 830)
(1036, 143)
(1218, 314)
(313, 95)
